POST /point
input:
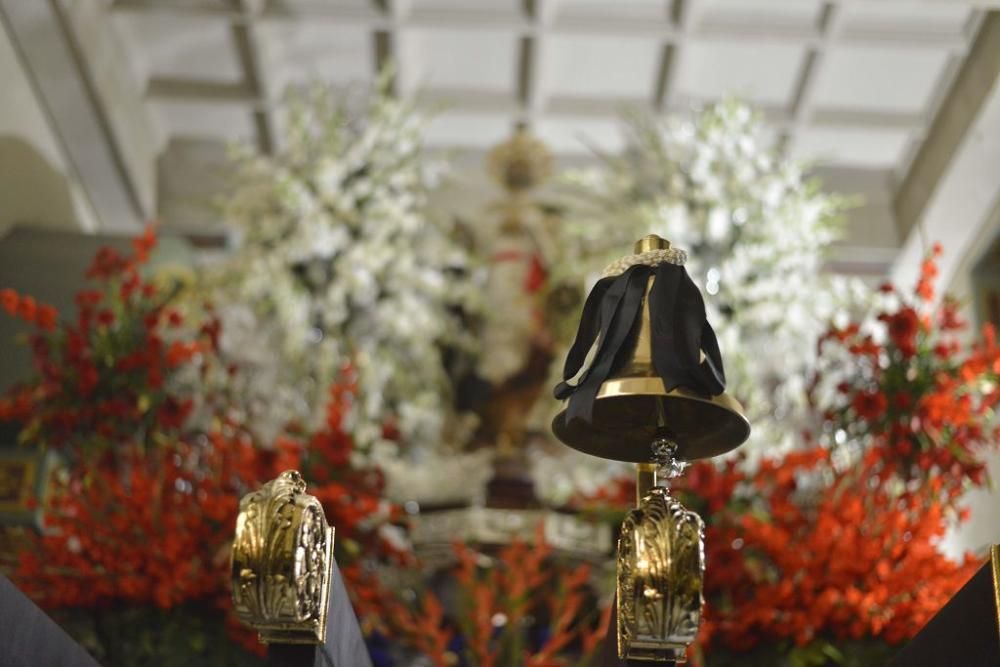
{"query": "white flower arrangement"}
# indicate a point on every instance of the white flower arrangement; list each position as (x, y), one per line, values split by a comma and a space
(440, 478)
(340, 267)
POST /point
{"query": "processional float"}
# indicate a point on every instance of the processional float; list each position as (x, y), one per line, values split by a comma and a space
(644, 383)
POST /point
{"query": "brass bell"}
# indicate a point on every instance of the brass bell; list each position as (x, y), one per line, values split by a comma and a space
(633, 408)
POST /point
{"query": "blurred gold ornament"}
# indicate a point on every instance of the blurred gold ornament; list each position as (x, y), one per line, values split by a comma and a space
(170, 278)
(520, 163)
(281, 562)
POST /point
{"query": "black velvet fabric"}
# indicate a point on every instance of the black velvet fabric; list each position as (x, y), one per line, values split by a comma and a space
(680, 332)
(29, 638)
(344, 645)
(964, 632)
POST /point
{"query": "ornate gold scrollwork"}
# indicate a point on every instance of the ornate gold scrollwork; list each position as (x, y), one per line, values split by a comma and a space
(281, 562)
(661, 567)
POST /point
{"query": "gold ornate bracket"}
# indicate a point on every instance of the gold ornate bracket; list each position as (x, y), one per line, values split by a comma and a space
(281, 562)
(661, 567)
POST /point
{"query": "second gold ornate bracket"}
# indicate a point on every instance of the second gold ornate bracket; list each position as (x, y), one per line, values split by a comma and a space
(281, 562)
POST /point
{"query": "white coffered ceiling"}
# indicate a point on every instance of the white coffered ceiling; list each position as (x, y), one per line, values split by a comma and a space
(849, 83)
(883, 96)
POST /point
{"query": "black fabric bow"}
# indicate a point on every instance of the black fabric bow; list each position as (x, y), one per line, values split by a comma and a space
(611, 316)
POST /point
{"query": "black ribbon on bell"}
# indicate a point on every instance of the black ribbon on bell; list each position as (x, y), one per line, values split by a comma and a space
(679, 328)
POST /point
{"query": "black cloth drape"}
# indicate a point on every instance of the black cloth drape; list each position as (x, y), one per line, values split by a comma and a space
(611, 316)
(29, 638)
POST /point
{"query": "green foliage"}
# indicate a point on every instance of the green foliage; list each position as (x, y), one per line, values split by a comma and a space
(189, 636)
(820, 653)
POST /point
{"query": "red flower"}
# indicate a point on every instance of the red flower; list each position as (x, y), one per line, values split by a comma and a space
(105, 317)
(154, 376)
(180, 352)
(870, 405)
(145, 243)
(174, 413)
(928, 272)
(89, 378)
(27, 308)
(9, 300)
(106, 263)
(903, 400)
(129, 285)
(47, 317)
(903, 327)
(949, 319)
(86, 299)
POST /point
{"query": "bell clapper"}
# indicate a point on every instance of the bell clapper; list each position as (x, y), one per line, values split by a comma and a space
(665, 456)
(664, 467)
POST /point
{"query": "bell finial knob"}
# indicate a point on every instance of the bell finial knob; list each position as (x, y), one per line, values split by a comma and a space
(651, 242)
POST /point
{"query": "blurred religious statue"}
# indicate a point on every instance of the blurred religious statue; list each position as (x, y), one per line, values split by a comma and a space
(517, 347)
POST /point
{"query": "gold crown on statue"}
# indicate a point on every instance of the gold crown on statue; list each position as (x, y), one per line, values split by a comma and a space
(520, 163)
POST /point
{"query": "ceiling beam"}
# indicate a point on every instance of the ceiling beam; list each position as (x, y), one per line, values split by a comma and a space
(53, 60)
(532, 66)
(203, 10)
(525, 72)
(169, 89)
(402, 15)
(972, 86)
(246, 38)
(963, 210)
(681, 15)
(915, 121)
(829, 26)
(495, 102)
(383, 49)
(388, 41)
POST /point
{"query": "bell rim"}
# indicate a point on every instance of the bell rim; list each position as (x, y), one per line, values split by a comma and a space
(654, 387)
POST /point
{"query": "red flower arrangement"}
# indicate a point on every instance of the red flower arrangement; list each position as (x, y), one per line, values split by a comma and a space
(817, 555)
(918, 403)
(804, 557)
(521, 607)
(149, 530)
(144, 511)
(367, 525)
(102, 379)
